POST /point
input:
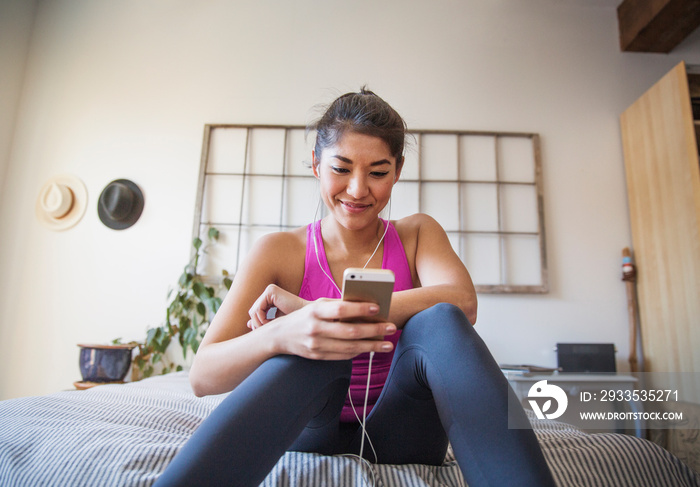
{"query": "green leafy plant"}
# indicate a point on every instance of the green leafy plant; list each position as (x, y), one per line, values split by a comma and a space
(191, 307)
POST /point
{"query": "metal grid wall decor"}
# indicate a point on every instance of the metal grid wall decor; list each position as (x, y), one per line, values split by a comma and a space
(485, 189)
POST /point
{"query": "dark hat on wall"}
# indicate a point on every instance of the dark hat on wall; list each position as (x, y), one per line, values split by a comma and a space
(120, 204)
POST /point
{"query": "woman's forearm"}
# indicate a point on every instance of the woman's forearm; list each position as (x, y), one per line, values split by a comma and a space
(405, 304)
(214, 371)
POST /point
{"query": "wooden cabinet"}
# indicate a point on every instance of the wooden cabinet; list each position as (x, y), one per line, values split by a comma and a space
(663, 184)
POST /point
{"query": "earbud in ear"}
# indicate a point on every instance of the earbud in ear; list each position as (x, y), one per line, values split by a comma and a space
(315, 163)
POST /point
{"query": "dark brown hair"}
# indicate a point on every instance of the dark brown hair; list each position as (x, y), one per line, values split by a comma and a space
(364, 113)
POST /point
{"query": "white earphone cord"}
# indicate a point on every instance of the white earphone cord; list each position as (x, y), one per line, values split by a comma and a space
(318, 259)
(371, 354)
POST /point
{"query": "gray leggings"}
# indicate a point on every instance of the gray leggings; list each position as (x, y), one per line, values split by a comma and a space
(443, 385)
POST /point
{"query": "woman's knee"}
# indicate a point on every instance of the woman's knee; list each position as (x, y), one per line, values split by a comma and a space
(450, 312)
(442, 327)
(437, 317)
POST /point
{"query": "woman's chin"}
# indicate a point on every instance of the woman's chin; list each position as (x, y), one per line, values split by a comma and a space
(355, 220)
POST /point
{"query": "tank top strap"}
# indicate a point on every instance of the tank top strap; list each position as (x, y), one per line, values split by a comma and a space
(315, 284)
(394, 258)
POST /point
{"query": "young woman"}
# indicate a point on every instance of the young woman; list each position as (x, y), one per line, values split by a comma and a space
(293, 377)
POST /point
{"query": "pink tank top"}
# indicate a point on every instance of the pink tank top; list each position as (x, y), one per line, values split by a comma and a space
(317, 285)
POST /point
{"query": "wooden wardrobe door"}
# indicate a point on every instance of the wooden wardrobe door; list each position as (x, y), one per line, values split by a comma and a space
(663, 185)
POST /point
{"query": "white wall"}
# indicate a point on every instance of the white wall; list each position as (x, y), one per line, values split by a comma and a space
(16, 19)
(124, 88)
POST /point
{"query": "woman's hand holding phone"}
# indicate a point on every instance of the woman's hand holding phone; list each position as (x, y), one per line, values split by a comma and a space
(333, 330)
(325, 329)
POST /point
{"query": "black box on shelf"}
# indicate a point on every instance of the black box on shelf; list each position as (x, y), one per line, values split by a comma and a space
(586, 357)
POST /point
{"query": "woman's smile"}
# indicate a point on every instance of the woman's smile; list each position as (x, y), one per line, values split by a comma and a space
(353, 207)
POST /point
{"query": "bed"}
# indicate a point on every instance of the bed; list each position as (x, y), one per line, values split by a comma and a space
(126, 434)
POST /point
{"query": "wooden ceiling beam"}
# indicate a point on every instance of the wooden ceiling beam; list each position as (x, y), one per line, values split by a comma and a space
(656, 25)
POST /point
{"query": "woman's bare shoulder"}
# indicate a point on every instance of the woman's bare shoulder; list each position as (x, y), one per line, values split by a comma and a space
(295, 239)
(409, 227)
(282, 255)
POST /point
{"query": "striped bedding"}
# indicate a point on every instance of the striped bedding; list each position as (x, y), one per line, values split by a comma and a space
(125, 435)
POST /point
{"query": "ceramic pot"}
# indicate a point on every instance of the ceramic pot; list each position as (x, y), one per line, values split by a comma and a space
(104, 363)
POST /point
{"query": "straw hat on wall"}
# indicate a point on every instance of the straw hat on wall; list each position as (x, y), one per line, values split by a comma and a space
(62, 202)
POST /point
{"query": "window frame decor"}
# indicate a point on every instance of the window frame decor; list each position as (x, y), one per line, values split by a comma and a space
(514, 185)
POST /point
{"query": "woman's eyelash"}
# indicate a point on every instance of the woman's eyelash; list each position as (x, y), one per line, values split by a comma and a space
(342, 170)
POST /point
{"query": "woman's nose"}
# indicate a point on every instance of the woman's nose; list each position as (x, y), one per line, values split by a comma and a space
(357, 187)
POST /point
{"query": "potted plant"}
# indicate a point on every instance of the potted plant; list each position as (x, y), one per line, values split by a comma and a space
(103, 364)
(191, 307)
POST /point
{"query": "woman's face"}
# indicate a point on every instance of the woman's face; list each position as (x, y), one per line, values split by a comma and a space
(356, 177)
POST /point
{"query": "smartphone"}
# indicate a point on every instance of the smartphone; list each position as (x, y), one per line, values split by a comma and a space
(369, 285)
